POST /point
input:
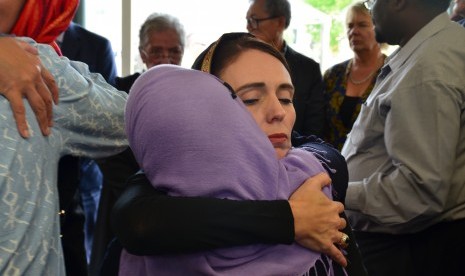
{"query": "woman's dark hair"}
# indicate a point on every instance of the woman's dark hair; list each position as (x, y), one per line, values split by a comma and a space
(228, 48)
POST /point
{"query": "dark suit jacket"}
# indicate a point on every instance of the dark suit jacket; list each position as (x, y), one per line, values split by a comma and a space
(308, 96)
(94, 50)
(125, 83)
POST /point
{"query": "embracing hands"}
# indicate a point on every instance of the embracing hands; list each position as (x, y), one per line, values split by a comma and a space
(317, 223)
(23, 76)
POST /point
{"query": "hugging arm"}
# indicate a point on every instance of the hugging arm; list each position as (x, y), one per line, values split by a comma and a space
(148, 222)
(23, 76)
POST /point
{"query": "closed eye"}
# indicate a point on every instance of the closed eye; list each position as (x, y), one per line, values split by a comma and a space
(250, 101)
(286, 101)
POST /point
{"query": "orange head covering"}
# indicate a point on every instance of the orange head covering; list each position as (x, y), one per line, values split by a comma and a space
(45, 20)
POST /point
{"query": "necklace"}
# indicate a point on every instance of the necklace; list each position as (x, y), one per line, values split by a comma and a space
(365, 79)
(362, 80)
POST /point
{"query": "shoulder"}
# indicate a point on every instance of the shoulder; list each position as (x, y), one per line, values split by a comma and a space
(337, 68)
(442, 56)
(73, 78)
(49, 58)
(77, 30)
(331, 159)
(448, 40)
(59, 67)
(294, 57)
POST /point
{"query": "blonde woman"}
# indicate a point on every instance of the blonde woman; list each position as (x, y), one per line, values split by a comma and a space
(348, 84)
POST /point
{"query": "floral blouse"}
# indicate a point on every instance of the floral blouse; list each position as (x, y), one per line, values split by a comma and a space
(341, 110)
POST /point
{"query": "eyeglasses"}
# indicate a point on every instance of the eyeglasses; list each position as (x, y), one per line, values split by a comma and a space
(253, 22)
(157, 53)
(369, 4)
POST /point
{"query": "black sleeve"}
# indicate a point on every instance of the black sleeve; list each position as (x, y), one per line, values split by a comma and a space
(148, 222)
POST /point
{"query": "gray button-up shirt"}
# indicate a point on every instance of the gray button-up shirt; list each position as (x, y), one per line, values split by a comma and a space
(406, 151)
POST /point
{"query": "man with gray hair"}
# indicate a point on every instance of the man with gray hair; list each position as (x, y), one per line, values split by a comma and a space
(161, 41)
(267, 20)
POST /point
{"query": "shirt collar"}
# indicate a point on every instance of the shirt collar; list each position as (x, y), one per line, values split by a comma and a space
(401, 55)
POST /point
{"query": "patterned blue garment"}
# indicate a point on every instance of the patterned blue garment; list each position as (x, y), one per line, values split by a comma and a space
(88, 121)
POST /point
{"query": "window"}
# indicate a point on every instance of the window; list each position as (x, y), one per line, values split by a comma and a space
(202, 24)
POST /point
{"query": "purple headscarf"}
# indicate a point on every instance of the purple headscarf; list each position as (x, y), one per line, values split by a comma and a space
(192, 138)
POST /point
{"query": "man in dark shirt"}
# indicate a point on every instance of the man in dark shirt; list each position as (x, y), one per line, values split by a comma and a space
(267, 20)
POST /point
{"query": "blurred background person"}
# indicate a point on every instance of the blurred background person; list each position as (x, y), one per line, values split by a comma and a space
(348, 84)
(267, 20)
(458, 12)
(161, 41)
(78, 43)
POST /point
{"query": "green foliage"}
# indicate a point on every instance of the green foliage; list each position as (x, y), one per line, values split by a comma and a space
(329, 6)
(333, 8)
(337, 33)
(315, 31)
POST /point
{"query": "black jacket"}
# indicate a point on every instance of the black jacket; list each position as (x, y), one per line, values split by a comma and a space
(94, 50)
(308, 97)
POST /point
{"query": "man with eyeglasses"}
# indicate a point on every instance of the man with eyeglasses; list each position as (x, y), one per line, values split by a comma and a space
(267, 20)
(406, 151)
(161, 41)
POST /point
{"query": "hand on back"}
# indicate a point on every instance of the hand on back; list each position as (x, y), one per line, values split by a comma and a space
(23, 76)
(316, 218)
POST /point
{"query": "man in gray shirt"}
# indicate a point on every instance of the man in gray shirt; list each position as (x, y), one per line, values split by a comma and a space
(406, 151)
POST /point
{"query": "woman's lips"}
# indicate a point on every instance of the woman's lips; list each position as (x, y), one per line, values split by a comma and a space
(277, 138)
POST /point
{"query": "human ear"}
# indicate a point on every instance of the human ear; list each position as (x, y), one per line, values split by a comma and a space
(282, 22)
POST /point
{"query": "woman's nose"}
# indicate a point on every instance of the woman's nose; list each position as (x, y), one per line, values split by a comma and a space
(276, 111)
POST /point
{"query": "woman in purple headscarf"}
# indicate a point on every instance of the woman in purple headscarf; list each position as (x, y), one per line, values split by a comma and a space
(243, 156)
(149, 221)
(174, 117)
